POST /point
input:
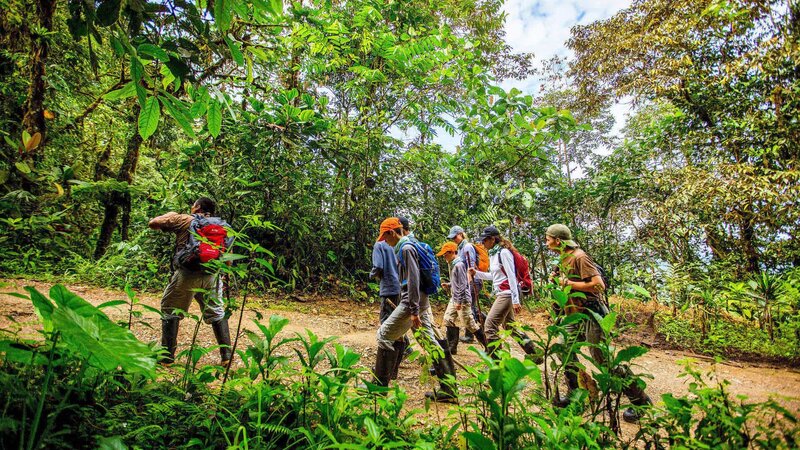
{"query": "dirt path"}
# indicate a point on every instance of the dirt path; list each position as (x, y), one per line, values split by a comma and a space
(356, 329)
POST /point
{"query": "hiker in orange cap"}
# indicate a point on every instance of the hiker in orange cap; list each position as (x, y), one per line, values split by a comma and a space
(460, 298)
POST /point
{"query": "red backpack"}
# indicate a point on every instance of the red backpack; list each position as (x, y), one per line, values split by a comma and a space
(208, 239)
(522, 271)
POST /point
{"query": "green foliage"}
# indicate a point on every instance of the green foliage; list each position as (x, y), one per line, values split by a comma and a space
(272, 401)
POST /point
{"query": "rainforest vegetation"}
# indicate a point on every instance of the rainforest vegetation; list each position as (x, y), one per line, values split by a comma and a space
(310, 121)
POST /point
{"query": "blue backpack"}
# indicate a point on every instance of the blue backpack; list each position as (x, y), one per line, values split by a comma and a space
(430, 278)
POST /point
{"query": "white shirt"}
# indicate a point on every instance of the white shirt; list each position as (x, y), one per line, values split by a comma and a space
(504, 259)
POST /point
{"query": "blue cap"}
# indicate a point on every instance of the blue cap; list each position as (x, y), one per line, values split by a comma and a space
(454, 232)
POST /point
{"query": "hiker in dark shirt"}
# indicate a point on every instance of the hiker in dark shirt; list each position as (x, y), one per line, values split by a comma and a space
(413, 311)
(187, 284)
(583, 276)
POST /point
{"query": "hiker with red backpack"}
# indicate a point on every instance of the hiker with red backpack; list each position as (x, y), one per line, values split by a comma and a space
(418, 271)
(199, 238)
(510, 277)
(583, 275)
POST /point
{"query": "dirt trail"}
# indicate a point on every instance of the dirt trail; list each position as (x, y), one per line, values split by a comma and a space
(355, 325)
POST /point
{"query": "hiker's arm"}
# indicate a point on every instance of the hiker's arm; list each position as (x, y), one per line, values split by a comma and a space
(480, 275)
(377, 264)
(164, 222)
(507, 259)
(594, 285)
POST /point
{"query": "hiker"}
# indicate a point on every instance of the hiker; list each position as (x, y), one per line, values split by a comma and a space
(460, 303)
(189, 277)
(412, 312)
(506, 291)
(468, 253)
(384, 268)
(582, 275)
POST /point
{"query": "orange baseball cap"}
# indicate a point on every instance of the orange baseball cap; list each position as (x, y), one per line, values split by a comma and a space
(448, 246)
(392, 223)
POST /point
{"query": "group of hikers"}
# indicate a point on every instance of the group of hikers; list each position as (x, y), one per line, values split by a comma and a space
(409, 272)
(402, 263)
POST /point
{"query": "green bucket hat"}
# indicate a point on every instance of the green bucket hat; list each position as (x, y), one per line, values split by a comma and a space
(562, 233)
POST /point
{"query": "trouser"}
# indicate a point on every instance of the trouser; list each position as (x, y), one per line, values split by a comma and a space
(396, 325)
(186, 285)
(588, 330)
(501, 314)
(464, 315)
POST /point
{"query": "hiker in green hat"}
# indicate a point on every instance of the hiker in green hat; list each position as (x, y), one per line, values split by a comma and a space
(582, 275)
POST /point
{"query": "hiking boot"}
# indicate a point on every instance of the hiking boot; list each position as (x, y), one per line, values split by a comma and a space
(572, 384)
(452, 339)
(531, 352)
(169, 339)
(468, 337)
(446, 372)
(491, 349)
(632, 415)
(223, 335)
(481, 337)
(385, 363)
(401, 346)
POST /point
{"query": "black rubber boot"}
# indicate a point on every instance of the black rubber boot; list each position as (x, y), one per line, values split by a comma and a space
(169, 339)
(223, 335)
(530, 349)
(481, 337)
(452, 339)
(572, 384)
(385, 363)
(445, 368)
(491, 349)
(632, 415)
(400, 347)
(468, 337)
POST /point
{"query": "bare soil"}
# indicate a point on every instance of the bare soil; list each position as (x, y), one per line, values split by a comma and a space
(355, 325)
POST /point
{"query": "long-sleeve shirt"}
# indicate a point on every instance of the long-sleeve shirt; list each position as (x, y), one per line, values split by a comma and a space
(459, 284)
(467, 252)
(384, 266)
(501, 269)
(410, 294)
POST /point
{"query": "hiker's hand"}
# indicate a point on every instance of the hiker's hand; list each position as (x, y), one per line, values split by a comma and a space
(446, 286)
(415, 322)
(471, 271)
(458, 306)
(517, 308)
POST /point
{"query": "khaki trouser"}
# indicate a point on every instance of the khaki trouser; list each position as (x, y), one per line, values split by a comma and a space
(588, 330)
(186, 285)
(396, 325)
(500, 315)
(464, 315)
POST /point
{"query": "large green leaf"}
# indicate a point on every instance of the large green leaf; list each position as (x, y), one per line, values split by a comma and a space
(180, 116)
(214, 118)
(108, 12)
(153, 51)
(129, 90)
(148, 117)
(103, 343)
(222, 14)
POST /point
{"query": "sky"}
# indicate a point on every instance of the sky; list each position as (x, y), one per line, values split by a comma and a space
(542, 27)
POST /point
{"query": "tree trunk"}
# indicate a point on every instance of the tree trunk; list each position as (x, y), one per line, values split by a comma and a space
(116, 200)
(33, 117)
(747, 240)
